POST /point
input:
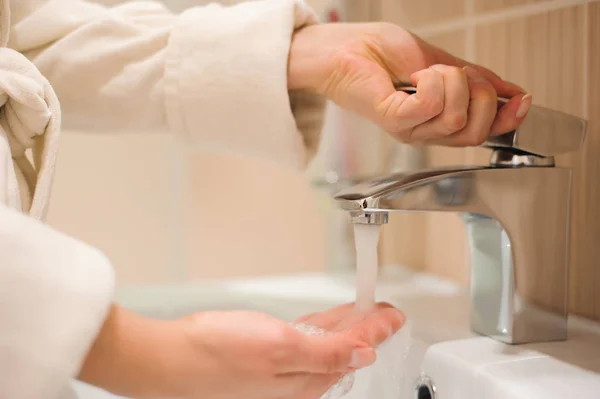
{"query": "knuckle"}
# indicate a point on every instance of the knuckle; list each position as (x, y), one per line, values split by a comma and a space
(484, 93)
(456, 121)
(479, 139)
(439, 67)
(432, 105)
(456, 72)
(474, 139)
(450, 72)
(402, 136)
(490, 98)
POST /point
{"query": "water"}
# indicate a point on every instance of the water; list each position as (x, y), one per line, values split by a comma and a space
(345, 384)
(388, 377)
(366, 237)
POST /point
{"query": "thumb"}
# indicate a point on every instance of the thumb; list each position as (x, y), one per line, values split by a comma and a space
(326, 354)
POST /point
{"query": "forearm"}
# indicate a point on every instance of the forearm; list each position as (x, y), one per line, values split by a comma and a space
(213, 75)
(134, 356)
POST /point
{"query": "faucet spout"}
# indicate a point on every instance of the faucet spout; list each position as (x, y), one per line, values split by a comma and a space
(517, 219)
(516, 211)
(441, 189)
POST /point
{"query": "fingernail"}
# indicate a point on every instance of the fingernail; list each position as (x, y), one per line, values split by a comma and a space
(438, 67)
(361, 357)
(474, 75)
(525, 106)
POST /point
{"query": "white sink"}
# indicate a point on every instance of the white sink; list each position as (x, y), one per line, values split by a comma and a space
(483, 368)
(436, 341)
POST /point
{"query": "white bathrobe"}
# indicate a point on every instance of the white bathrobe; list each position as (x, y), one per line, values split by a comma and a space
(214, 75)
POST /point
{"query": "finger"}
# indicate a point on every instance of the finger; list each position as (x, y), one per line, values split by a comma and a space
(358, 316)
(456, 104)
(512, 114)
(482, 111)
(339, 318)
(504, 88)
(378, 326)
(327, 320)
(428, 101)
(324, 354)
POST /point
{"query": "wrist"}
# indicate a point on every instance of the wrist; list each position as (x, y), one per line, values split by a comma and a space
(132, 356)
(305, 64)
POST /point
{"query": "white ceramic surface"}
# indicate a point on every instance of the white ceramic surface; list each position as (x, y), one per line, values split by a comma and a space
(442, 346)
(480, 367)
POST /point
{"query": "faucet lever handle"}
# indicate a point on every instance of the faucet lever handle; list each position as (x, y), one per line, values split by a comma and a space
(544, 132)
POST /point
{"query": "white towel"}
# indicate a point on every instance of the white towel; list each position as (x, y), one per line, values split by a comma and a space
(30, 120)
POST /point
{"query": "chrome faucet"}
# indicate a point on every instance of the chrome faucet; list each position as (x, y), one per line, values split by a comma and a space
(517, 213)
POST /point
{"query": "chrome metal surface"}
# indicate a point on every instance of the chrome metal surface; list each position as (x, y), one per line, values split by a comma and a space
(517, 215)
(542, 132)
(370, 218)
(501, 157)
(424, 388)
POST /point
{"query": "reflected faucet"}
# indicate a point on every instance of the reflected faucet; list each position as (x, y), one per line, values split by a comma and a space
(517, 214)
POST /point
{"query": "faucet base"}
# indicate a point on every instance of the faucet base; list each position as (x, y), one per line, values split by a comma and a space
(498, 309)
(530, 325)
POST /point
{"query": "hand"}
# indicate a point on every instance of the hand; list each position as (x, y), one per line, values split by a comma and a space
(216, 355)
(357, 66)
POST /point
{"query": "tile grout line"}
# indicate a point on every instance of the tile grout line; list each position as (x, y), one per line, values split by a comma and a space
(586, 55)
(497, 16)
(586, 94)
(470, 56)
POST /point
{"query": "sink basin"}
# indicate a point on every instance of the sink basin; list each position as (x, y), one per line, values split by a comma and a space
(483, 368)
(436, 342)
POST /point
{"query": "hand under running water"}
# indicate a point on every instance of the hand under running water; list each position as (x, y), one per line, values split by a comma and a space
(235, 354)
(358, 65)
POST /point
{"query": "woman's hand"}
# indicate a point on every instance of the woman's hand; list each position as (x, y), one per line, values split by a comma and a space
(214, 355)
(358, 65)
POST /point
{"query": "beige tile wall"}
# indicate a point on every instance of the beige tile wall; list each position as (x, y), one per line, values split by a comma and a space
(162, 213)
(492, 5)
(117, 192)
(413, 14)
(551, 48)
(591, 271)
(245, 217)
